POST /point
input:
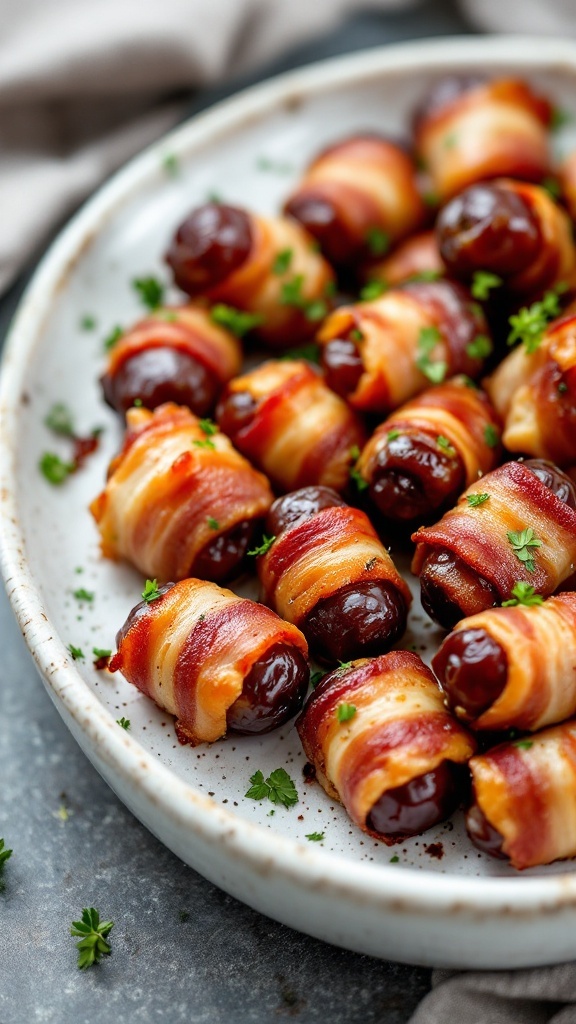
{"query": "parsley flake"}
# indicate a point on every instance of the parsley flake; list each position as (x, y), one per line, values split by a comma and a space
(315, 837)
(88, 323)
(282, 261)
(377, 240)
(480, 347)
(92, 933)
(552, 187)
(171, 165)
(373, 290)
(114, 336)
(208, 427)
(530, 322)
(237, 321)
(424, 276)
(137, 403)
(395, 859)
(54, 468)
(101, 652)
(392, 435)
(491, 436)
(523, 593)
(445, 446)
(343, 666)
(476, 499)
(150, 291)
(524, 744)
(83, 595)
(291, 295)
(434, 370)
(522, 541)
(355, 474)
(278, 788)
(265, 163)
(483, 281)
(123, 722)
(562, 387)
(356, 335)
(213, 523)
(559, 118)
(206, 443)
(431, 198)
(76, 653)
(151, 591)
(262, 548)
(59, 420)
(345, 712)
(316, 678)
(310, 352)
(5, 854)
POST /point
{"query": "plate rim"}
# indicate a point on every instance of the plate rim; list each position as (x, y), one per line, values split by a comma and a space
(417, 890)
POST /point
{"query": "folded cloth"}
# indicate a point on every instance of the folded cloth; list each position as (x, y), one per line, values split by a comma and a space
(544, 995)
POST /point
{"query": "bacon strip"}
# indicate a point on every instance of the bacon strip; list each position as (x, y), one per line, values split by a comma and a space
(527, 791)
(392, 332)
(191, 649)
(453, 410)
(400, 730)
(416, 255)
(518, 500)
(499, 128)
(318, 556)
(301, 432)
(165, 485)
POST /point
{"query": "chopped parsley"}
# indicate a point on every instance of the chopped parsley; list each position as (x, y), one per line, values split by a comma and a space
(480, 347)
(355, 474)
(345, 712)
(291, 295)
(343, 666)
(83, 595)
(395, 859)
(171, 165)
(552, 187)
(262, 548)
(208, 427)
(206, 443)
(76, 653)
(491, 436)
(151, 591)
(101, 652)
(114, 336)
(137, 403)
(524, 744)
(476, 499)
(483, 281)
(424, 276)
(434, 370)
(316, 837)
(282, 261)
(213, 523)
(522, 542)
(373, 290)
(150, 291)
(54, 468)
(235, 320)
(123, 722)
(5, 854)
(356, 335)
(92, 934)
(316, 678)
(562, 387)
(265, 163)
(59, 420)
(559, 118)
(530, 322)
(523, 593)
(278, 787)
(378, 241)
(88, 323)
(310, 352)
(392, 435)
(431, 198)
(445, 446)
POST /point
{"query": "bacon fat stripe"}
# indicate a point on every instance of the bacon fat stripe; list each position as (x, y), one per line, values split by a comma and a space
(478, 535)
(391, 335)
(527, 791)
(301, 433)
(400, 730)
(167, 483)
(316, 557)
(492, 129)
(539, 644)
(460, 414)
(365, 183)
(191, 649)
(416, 255)
(535, 394)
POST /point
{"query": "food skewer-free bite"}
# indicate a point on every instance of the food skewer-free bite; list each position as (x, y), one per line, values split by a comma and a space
(517, 524)
(328, 572)
(284, 418)
(216, 661)
(357, 197)
(428, 451)
(179, 500)
(380, 353)
(468, 129)
(417, 257)
(513, 667)
(524, 805)
(177, 354)
(382, 742)
(267, 268)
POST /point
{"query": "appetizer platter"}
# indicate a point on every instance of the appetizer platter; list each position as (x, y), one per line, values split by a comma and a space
(289, 496)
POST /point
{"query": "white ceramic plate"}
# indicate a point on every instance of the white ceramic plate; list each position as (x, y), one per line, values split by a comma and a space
(441, 902)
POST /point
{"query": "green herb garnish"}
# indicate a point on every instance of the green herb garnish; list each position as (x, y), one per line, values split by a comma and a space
(235, 320)
(213, 523)
(262, 548)
(54, 468)
(378, 241)
(523, 593)
(208, 427)
(123, 722)
(282, 261)
(345, 712)
(483, 281)
(151, 591)
(4, 854)
(530, 322)
(476, 499)
(88, 323)
(278, 787)
(373, 290)
(445, 446)
(76, 653)
(59, 420)
(114, 336)
(83, 595)
(206, 443)
(522, 542)
(434, 370)
(315, 837)
(480, 347)
(150, 291)
(92, 933)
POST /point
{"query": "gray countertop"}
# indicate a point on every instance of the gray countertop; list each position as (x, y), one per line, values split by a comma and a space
(182, 949)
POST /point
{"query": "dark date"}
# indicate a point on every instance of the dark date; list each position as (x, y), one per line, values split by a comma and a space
(273, 691)
(420, 803)
(299, 505)
(342, 365)
(442, 94)
(323, 221)
(235, 411)
(162, 374)
(414, 477)
(222, 558)
(483, 834)
(473, 670)
(554, 479)
(140, 609)
(451, 590)
(208, 246)
(361, 620)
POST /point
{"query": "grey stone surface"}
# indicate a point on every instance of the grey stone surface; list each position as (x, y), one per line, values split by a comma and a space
(182, 949)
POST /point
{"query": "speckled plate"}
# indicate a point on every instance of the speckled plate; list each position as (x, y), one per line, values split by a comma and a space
(434, 900)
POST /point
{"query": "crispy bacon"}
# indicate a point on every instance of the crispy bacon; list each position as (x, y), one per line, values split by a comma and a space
(535, 394)
(167, 483)
(518, 500)
(399, 731)
(417, 255)
(191, 649)
(301, 433)
(318, 556)
(491, 129)
(527, 792)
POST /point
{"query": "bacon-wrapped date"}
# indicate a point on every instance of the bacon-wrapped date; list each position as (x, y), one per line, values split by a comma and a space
(518, 524)
(357, 197)
(379, 354)
(423, 456)
(177, 355)
(469, 130)
(415, 257)
(266, 266)
(524, 806)
(567, 181)
(328, 573)
(214, 660)
(512, 667)
(511, 229)
(535, 394)
(287, 422)
(178, 501)
(394, 756)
